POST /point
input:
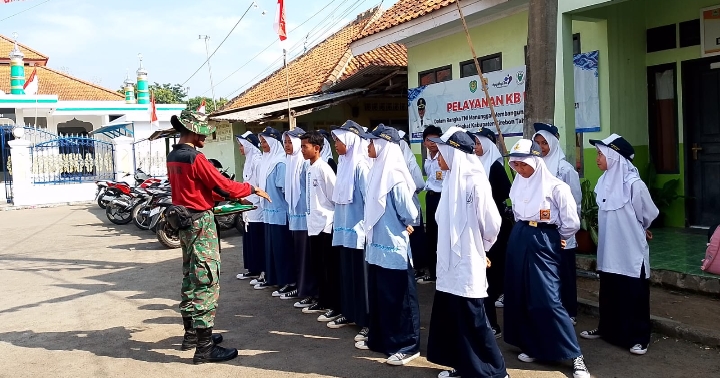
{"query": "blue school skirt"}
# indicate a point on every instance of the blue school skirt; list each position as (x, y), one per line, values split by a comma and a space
(279, 256)
(535, 320)
(254, 247)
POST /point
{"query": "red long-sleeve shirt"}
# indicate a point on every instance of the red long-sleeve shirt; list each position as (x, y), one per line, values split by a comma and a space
(194, 180)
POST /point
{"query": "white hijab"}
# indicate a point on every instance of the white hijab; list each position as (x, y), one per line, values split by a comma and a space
(356, 153)
(293, 169)
(614, 188)
(270, 160)
(408, 156)
(452, 212)
(490, 155)
(528, 194)
(253, 156)
(388, 170)
(552, 159)
(326, 151)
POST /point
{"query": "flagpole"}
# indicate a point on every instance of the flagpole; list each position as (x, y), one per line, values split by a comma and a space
(291, 125)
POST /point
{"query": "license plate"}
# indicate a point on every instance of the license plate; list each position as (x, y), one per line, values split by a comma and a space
(154, 211)
(108, 198)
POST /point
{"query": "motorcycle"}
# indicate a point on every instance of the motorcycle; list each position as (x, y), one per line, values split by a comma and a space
(103, 193)
(141, 214)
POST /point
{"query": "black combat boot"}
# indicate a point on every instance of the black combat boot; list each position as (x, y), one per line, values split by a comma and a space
(207, 351)
(190, 338)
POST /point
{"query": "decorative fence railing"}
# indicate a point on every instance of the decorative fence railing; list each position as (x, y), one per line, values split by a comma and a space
(72, 159)
(151, 157)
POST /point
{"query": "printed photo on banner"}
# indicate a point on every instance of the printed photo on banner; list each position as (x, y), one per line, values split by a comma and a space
(462, 103)
(587, 93)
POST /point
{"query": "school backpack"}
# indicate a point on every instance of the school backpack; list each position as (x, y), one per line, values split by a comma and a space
(711, 263)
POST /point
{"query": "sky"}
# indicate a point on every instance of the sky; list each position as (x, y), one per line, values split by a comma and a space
(99, 40)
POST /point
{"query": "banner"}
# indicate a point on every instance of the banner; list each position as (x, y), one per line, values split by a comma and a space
(462, 103)
(587, 93)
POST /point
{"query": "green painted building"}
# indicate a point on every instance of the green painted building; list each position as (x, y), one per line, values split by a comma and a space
(658, 77)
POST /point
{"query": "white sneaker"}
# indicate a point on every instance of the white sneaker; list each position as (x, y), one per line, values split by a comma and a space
(362, 335)
(400, 359)
(258, 280)
(262, 285)
(329, 316)
(573, 320)
(339, 323)
(579, 368)
(362, 345)
(638, 349)
(246, 275)
(500, 302)
(304, 303)
(525, 358)
(591, 334)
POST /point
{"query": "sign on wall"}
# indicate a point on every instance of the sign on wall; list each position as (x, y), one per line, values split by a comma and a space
(587, 93)
(462, 103)
(710, 31)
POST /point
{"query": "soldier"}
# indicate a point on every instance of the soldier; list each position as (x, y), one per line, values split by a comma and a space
(195, 182)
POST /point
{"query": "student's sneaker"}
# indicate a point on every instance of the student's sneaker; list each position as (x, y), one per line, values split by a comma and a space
(315, 308)
(579, 368)
(260, 279)
(400, 359)
(262, 285)
(292, 294)
(362, 345)
(573, 320)
(591, 334)
(419, 273)
(639, 349)
(329, 316)
(246, 275)
(525, 358)
(426, 279)
(339, 322)
(307, 302)
(497, 332)
(500, 302)
(283, 290)
(449, 374)
(362, 335)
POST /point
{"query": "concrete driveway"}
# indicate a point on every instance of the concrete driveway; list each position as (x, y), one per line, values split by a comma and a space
(86, 298)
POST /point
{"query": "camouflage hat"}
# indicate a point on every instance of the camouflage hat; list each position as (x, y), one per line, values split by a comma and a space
(193, 121)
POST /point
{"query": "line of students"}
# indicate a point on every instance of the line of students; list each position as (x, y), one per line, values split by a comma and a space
(353, 258)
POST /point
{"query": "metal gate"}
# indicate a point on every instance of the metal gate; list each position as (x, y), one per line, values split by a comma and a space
(72, 159)
(5, 160)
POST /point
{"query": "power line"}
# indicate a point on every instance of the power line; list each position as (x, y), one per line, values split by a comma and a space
(221, 43)
(23, 11)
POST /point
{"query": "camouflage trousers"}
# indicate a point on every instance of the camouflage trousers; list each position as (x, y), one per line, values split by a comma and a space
(201, 271)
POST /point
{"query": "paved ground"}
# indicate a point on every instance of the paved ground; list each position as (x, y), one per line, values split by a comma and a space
(85, 298)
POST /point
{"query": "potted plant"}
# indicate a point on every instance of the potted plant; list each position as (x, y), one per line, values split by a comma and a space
(587, 237)
(663, 196)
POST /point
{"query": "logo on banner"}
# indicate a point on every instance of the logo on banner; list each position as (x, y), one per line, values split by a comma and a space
(520, 77)
(473, 86)
(502, 84)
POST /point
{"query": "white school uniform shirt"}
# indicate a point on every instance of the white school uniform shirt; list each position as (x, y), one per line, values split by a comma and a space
(320, 186)
(569, 175)
(434, 174)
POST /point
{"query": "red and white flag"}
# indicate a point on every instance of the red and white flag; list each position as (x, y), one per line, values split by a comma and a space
(279, 24)
(31, 84)
(153, 113)
(201, 108)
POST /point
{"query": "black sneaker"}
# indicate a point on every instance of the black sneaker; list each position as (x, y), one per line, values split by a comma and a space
(339, 322)
(329, 316)
(363, 334)
(315, 308)
(283, 290)
(426, 279)
(290, 295)
(307, 302)
(591, 334)
(245, 276)
(579, 368)
(497, 332)
(449, 374)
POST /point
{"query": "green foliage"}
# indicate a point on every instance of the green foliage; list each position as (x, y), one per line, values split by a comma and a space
(210, 106)
(589, 211)
(663, 196)
(168, 93)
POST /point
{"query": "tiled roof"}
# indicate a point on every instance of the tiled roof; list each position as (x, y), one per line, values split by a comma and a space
(6, 45)
(404, 11)
(66, 87)
(329, 61)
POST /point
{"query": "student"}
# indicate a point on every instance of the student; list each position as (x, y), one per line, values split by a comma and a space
(492, 161)
(626, 210)
(548, 137)
(546, 215)
(389, 213)
(433, 187)
(326, 152)
(468, 224)
(321, 210)
(349, 228)
(417, 238)
(254, 237)
(279, 257)
(296, 197)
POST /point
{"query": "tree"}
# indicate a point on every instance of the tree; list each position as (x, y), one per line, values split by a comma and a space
(194, 103)
(168, 93)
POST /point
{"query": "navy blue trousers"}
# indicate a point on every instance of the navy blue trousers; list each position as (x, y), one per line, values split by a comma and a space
(279, 256)
(568, 281)
(353, 288)
(305, 271)
(460, 337)
(535, 320)
(254, 247)
(394, 311)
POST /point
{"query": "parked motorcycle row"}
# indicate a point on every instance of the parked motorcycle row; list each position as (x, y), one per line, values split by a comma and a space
(145, 203)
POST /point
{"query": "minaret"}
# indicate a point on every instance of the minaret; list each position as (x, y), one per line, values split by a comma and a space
(129, 90)
(143, 96)
(17, 70)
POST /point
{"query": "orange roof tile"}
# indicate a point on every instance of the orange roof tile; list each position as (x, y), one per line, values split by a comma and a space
(6, 45)
(327, 61)
(66, 87)
(388, 55)
(404, 11)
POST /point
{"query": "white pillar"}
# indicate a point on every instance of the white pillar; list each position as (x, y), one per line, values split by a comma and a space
(21, 171)
(124, 159)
